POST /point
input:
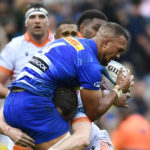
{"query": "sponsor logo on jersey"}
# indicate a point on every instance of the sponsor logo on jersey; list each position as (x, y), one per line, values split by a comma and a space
(97, 84)
(39, 63)
(75, 43)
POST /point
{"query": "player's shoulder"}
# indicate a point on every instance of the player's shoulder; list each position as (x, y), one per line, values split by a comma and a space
(74, 41)
(14, 44)
(16, 40)
(90, 43)
(87, 41)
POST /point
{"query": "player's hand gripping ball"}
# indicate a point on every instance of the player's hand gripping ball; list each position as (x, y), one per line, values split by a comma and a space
(110, 74)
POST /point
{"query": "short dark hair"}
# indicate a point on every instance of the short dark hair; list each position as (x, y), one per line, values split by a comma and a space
(34, 5)
(116, 29)
(66, 99)
(64, 22)
(90, 14)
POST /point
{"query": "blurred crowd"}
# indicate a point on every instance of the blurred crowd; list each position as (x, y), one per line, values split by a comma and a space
(134, 15)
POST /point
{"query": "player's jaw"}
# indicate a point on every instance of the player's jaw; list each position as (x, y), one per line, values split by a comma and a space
(106, 59)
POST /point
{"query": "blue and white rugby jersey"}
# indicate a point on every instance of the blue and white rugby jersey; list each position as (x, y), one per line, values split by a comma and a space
(68, 62)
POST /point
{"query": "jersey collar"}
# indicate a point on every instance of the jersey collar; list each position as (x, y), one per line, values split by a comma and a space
(28, 38)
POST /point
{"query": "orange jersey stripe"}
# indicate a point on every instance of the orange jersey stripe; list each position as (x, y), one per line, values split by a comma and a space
(29, 38)
(81, 119)
(6, 71)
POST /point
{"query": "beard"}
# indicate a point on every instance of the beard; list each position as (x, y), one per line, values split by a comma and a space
(104, 61)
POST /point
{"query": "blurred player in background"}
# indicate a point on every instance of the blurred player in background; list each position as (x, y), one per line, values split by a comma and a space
(90, 21)
(17, 52)
(66, 28)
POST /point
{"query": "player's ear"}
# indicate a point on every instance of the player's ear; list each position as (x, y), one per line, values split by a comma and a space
(105, 42)
(59, 110)
(81, 28)
(47, 22)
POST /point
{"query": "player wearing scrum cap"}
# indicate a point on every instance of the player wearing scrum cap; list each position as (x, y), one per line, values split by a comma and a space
(20, 49)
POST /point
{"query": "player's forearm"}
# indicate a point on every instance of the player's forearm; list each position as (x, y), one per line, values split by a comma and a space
(71, 144)
(80, 138)
(104, 104)
(3, 91)
(4, 127)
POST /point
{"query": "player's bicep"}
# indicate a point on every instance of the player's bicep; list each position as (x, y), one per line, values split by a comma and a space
(91, 101)
(3, 77)
(6, 60)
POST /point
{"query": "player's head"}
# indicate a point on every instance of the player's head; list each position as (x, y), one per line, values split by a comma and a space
(111, 40)
(66, 28)
(36, 20)
(66, 102)
(90, 21)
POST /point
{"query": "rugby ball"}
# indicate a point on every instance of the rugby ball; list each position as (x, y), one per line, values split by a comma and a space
(110, 74)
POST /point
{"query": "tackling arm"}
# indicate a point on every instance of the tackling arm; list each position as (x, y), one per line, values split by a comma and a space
(15, 134)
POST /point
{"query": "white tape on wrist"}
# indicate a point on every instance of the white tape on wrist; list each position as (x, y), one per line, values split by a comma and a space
(118, 90)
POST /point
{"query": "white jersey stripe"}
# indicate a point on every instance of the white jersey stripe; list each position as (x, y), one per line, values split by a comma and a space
(48, 48)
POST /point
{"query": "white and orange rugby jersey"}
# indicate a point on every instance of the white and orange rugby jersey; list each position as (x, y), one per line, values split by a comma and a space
(18, 51)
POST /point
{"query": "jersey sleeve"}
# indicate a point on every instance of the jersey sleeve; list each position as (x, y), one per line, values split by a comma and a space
(6, 64)
(89, 76)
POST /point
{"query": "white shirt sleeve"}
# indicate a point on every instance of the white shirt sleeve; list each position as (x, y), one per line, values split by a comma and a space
(6, 57)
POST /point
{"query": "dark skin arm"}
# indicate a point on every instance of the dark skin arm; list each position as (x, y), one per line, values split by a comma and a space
(95, 105)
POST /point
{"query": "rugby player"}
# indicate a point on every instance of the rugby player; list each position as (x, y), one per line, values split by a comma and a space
(17, 53)
(66, 28)
(88, 23)
(98, 138)
(90, 52)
